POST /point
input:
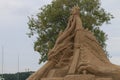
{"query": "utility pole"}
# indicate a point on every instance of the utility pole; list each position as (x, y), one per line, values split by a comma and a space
(18, 67)
(2, 61)
(2, 76)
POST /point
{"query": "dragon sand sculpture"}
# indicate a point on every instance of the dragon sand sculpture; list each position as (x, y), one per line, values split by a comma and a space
(77, 55)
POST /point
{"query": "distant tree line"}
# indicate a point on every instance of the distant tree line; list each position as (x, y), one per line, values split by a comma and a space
(17, 76)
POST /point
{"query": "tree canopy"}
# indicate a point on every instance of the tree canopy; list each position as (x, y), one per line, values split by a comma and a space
(53, 17)
(17, 76)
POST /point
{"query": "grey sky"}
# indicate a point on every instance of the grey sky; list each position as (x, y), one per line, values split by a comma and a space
(13, 29)
(113, 29)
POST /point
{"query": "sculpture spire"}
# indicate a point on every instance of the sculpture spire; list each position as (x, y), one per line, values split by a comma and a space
(76, 13)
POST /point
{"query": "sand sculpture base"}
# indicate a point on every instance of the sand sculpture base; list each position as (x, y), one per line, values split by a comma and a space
(78, 77)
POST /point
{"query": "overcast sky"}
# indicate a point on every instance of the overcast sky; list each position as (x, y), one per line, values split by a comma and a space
(13, 29)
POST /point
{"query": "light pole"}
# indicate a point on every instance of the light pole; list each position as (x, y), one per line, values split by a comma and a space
(2, 60)
(18, 67)
(2, 77)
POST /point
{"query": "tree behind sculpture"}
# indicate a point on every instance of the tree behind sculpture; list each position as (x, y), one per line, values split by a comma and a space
(54, 17)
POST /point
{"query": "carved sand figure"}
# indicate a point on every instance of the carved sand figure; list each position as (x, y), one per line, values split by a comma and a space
(76, 52)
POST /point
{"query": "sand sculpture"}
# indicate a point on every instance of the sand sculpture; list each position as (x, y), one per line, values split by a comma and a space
(77, 55)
